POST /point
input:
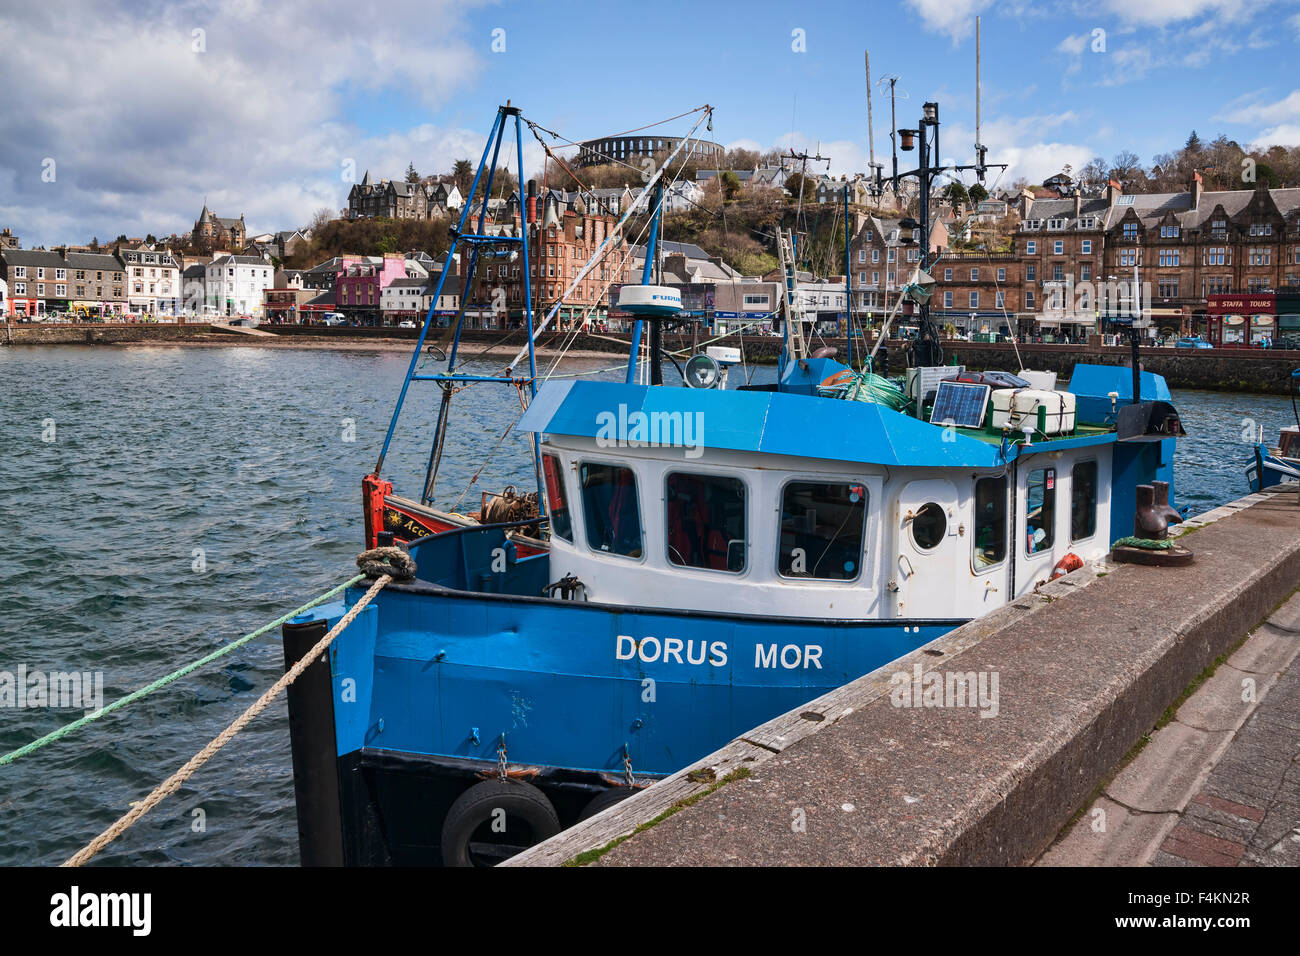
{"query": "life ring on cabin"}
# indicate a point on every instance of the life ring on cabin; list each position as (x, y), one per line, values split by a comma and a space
(1071, 562)
(474, 833)
(604, 800)
(841, 377)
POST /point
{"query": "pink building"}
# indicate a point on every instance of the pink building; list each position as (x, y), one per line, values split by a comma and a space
(360, 283)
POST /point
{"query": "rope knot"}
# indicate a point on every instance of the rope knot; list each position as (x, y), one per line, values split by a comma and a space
(396, 562)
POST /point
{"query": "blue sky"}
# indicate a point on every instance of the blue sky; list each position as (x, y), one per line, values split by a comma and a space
(269, 108)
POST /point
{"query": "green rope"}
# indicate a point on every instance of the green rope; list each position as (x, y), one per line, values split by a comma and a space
(1145, 543)
(173, 676)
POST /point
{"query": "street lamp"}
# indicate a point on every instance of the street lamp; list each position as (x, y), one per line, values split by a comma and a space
(930, 114)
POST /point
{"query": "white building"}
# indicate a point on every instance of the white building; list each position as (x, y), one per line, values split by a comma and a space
(153, 281)
(233, 285)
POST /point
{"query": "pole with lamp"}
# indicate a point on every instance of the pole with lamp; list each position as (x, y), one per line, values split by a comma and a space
(928, 352)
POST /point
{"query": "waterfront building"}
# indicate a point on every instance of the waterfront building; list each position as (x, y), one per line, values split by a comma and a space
(8, 240)
(153, 277)
(359, 285)
(882, 259)
(283, 300)
(86, 285)
(30, 273)
(234, 285)
(1184, 247)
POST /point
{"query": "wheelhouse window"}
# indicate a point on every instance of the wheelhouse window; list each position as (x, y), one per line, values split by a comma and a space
(822, 529)
(1040, 510)
(705, 516)
(557, 501)
(1083, 500)
(611, 510)
(990, 541)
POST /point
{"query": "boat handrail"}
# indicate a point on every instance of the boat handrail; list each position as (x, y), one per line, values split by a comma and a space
(453, 532)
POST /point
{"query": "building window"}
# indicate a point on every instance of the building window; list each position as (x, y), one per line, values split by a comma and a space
(1169, 257)
(1029, 298)
(1002, 275)
(1087, 247)
(610, 509)
(947, 275)
(822, 529)
(1058, 272)
(1167, 287)
(1058, 247)
(1169, 232)
(890, 255)
(1083, 500)
(990, 539)
(975, 275)
(706, 522)
(875, 255)
(947, 299)
(1260, 256)
(1000, 300)
(1031, 247)
(1128, 257)
(1130, 231)
(1040, 510)
(1085, 272)
(1031, 273)
(974, 300)
(862, 256)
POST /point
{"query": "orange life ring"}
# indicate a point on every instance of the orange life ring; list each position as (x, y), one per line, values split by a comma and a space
(1071, 562)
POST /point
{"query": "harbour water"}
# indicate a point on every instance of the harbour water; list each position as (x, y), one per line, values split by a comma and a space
(161, 501)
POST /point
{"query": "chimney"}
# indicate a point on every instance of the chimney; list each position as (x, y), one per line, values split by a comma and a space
(1078, 203)
(1198, 186)
(1113, 190)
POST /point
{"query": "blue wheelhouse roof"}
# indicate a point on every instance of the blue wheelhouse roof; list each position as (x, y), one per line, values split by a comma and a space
(774, 423)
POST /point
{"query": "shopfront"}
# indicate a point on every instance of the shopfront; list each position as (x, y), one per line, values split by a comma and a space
(1241, 321)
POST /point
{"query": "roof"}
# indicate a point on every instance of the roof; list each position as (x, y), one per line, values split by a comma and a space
(31, 257)
(773, 423)
(240, 261)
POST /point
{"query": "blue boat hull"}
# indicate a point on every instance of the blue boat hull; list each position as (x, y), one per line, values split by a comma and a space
(430, 685)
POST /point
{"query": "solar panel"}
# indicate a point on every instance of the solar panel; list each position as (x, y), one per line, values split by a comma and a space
(961, 404)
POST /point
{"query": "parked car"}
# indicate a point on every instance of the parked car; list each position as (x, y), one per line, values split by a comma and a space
(1192, 342)
(406, 324)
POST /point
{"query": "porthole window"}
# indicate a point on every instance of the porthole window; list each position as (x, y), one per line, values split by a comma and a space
(928, 526)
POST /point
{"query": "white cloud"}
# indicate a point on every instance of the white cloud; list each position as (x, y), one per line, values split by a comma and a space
(251, 121)
(1159, 13)
(1286, 134)
(1287, 108)
(956, 18)
(1073, 45)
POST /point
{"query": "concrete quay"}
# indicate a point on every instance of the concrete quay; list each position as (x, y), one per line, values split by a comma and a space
(1086, 669)
(1219, 784)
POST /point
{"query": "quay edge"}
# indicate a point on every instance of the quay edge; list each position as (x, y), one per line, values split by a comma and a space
(1087, 667)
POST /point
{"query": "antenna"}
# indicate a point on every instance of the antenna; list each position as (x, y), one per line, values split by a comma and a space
(871, 133)
(980, 150)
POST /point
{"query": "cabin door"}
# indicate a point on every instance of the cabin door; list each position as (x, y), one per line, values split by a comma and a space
(928, 553)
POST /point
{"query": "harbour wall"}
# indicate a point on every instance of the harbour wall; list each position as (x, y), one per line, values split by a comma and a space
(867, 775)
(1236, 370)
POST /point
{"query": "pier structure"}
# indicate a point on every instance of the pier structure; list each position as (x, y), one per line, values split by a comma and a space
(1122, 715)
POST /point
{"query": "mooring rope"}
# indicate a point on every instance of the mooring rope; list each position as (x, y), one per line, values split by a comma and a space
(173, 676)
(401, 567)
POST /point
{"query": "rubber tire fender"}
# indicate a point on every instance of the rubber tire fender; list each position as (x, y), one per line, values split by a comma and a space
(604, 800)
(475, 806)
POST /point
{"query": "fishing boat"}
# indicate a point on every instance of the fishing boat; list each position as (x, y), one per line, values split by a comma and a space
(1281, 462)
(699, 560)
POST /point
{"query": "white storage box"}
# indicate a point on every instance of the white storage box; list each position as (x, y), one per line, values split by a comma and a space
(1044, 380)
(1013, 407)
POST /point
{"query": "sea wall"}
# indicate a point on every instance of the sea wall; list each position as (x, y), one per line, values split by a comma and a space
(1236, 370)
